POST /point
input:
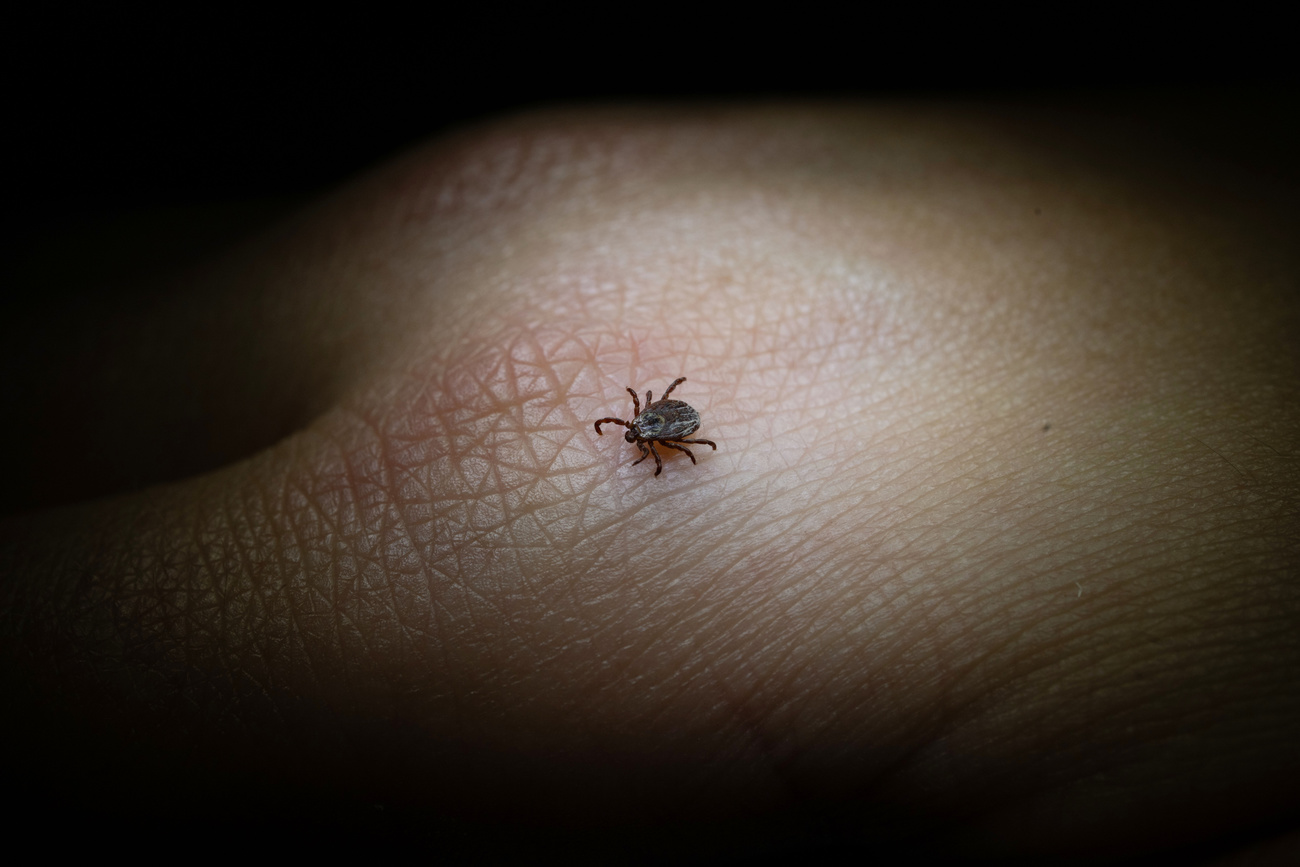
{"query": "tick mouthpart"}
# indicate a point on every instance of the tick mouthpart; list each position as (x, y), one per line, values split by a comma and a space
(630, 437)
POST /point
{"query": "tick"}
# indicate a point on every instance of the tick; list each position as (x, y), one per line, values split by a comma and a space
(668, 423)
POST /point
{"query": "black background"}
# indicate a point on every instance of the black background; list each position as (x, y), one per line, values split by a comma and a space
(119, 128)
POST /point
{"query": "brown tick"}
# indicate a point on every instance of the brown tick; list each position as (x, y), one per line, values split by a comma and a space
(667, 422)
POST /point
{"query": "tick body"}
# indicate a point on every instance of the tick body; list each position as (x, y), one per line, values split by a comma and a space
(667, 423)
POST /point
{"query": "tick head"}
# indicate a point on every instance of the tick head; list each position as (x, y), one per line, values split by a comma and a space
(647, 426)
(630, 436)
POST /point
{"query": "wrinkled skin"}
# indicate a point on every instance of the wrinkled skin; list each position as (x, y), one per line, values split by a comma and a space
(997, 553)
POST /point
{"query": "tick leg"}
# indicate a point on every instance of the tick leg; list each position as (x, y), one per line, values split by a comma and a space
(610, 421)
(636, 404)
(676, 383)
(669, 445)
(702, 443)
(659, 465)
(644, 454)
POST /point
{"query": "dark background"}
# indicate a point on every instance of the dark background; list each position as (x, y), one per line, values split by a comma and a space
(139, 143)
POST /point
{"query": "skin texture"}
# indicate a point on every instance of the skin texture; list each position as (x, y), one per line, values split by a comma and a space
(997, 553)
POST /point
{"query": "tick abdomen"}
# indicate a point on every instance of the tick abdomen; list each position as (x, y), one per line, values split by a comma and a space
(667, 420)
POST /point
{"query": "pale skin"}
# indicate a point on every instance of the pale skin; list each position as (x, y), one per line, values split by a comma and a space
(1000, 536)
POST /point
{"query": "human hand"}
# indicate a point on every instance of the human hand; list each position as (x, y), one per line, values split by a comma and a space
(998, 542)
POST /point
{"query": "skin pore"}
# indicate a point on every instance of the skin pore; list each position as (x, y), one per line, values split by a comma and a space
(998, 547)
